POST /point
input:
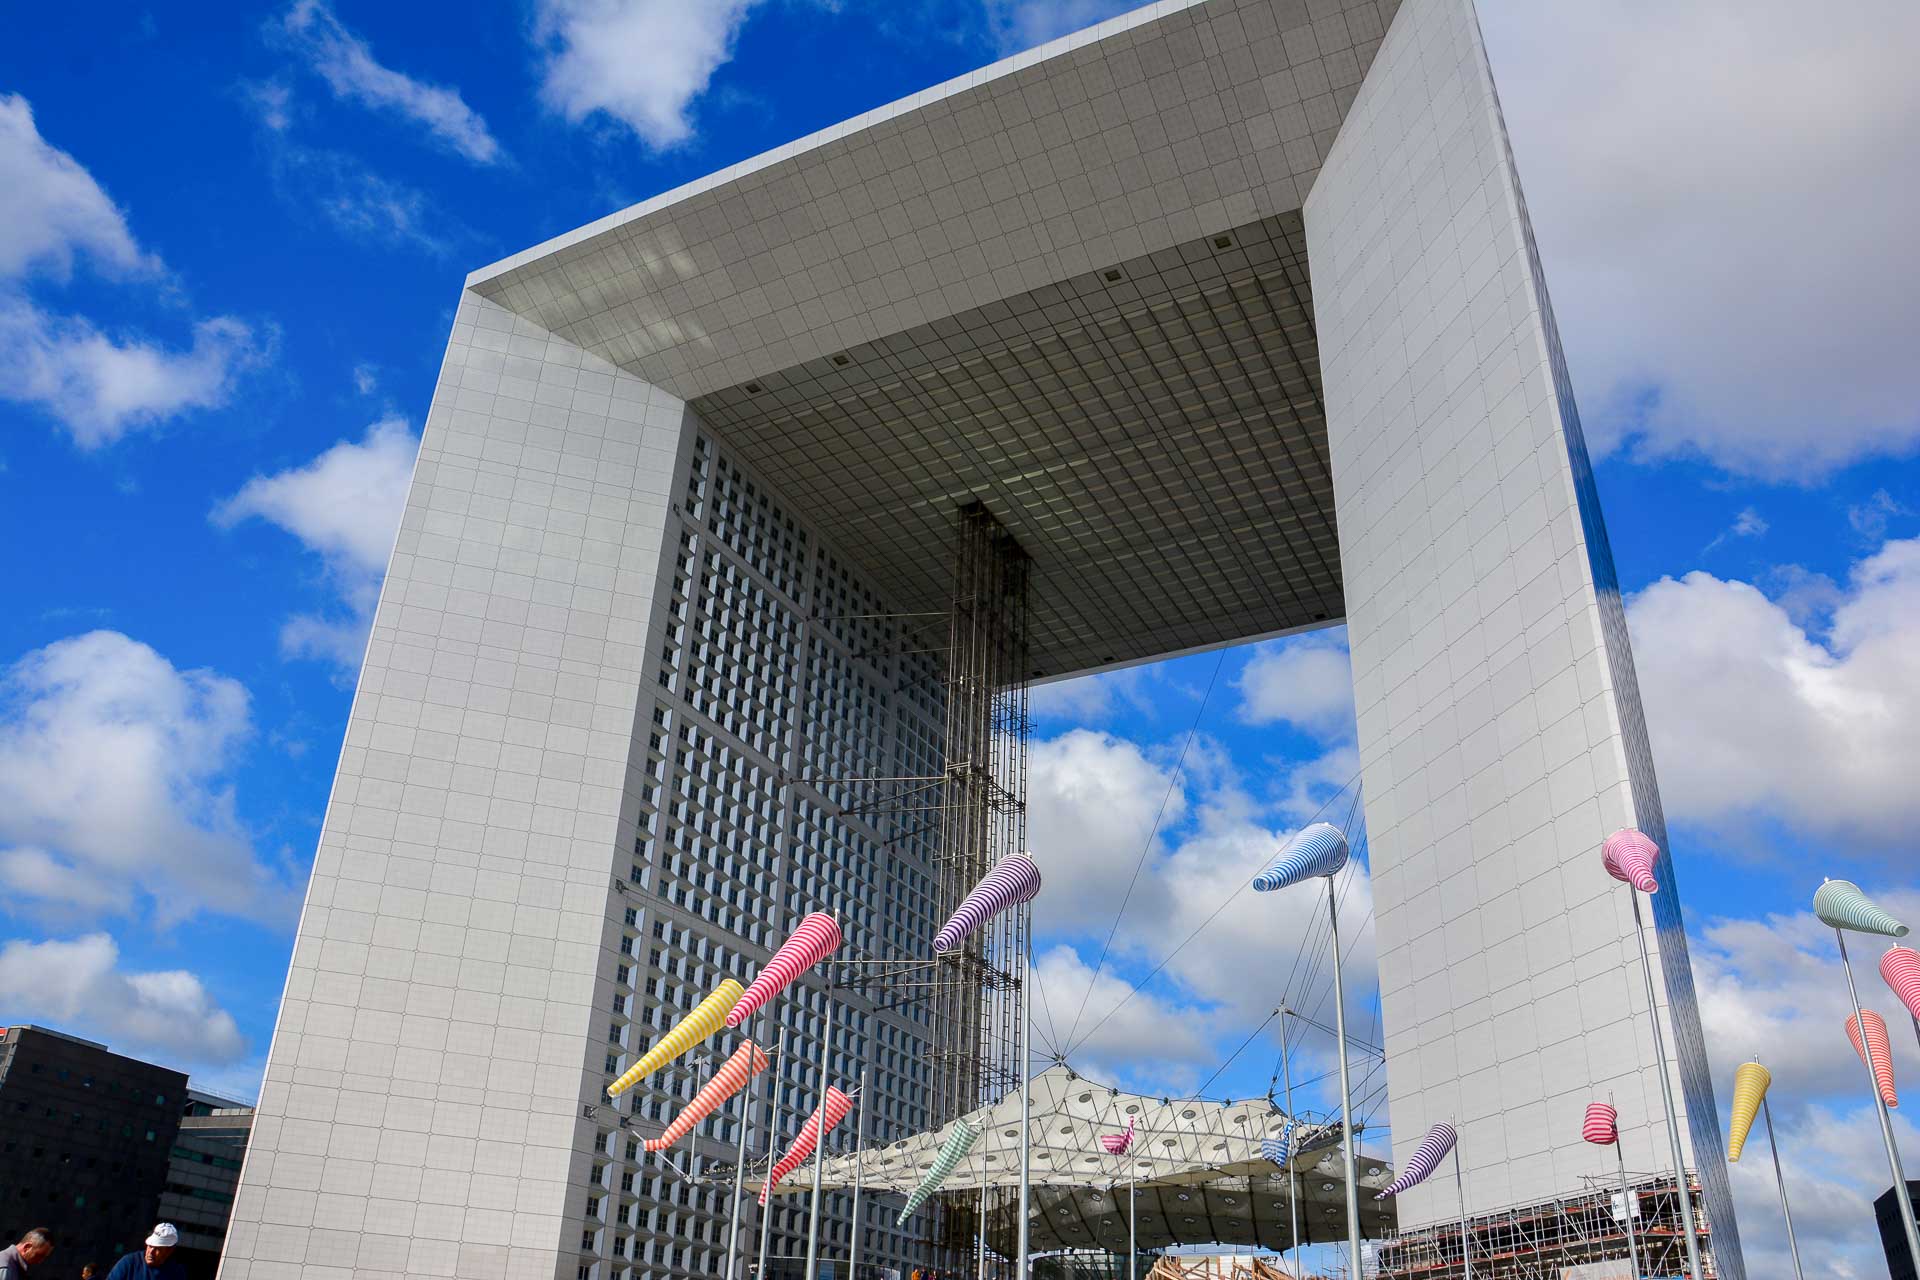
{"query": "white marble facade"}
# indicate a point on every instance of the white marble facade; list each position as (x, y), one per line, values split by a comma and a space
(1497, 736)
(445, 1019)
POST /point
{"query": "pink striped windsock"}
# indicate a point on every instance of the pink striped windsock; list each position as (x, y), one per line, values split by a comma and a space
(1901, 969)
(815, 940)
(1602, 1125)
(1877, 1053)
(1116, 1144)
(1629, 856)
(836, 1105)
(1014, 879)
(746, 1063)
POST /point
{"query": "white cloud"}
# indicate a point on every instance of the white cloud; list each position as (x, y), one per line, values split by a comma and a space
(52, 209)
(348, 66)
(1753, 717)
(101, 387)
(642, 62)
(114, 769)
(1834, 1166)
(1092, 799)
(345, 503)
(1304, 680)
(1772, 987)
(1022, 24)
(345, 506)
(1126, 1019)
(78, 986)
(1724, 194)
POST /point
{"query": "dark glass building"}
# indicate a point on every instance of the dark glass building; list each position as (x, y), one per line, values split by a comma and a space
(85, 1136)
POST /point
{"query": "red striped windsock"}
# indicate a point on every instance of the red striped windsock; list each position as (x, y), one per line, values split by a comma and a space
(1629, 856)
(1901, 969)
(836, 1106)
(815, 940)
(746, 1063)
(1602, 1125)
(1876, 1053)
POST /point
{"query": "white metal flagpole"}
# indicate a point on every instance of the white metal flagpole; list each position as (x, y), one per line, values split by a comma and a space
(740, 1152)
(1346, 1087)
(1293, 1136)
(1020, 1271)
(1781, 1178)
(1133, 1236)
(859, 1175)
(773, 1127)
(1666, 1096)
(1880, 1106)
(1626, 1205)
(820, 1143)
(983, 1226)
(1460, 1188)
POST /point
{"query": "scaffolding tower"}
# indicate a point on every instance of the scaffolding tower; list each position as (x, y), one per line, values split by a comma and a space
(1542, 1241)
(983, 816)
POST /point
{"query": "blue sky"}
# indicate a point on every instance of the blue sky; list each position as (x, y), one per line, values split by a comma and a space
(230, 243)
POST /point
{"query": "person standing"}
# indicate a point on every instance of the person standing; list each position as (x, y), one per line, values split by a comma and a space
(154, 1261)
(34, 1248)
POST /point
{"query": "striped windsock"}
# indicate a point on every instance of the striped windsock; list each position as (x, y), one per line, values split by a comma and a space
(1318, 850)
(1841, 905)
(1629, 855)
(836, 1105)
(952, 1152)
(1877, 1053)
(1749, 1089)
(1900, 967)
(1016, 879)
(1280, 1149)
(1425, 1159)
(746, 1063)
(811, 943)
(707, 1017)
(1602, 1125)
(1116, 1144)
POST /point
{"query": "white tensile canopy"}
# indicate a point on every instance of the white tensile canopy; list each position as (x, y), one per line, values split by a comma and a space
(1196, 1168)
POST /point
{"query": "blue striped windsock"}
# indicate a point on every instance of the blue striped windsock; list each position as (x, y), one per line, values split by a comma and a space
(1318, 850)
(958, 1143)
(1425, 1159)
(1015, 879)
(1841, 905)
(1279, 1149)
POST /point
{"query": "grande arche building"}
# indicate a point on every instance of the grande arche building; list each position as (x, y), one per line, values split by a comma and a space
(1229, 313)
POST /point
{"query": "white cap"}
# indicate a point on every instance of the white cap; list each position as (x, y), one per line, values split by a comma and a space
(165, 1236)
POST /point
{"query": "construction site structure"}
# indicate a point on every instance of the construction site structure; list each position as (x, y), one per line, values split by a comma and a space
(1553, 1239)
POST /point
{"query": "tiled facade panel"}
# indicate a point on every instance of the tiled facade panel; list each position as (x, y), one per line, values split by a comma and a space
(1178, 121)
(421, 1114)
(1494, 753)
(597, 762)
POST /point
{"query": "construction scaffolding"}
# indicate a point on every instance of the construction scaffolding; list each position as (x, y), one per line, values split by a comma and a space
(975, 1001)
(976, 805)
(1540, 1241)
(983, 816)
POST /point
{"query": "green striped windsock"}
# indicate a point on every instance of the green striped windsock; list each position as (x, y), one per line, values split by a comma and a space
(952, 1151)
(1841, 905)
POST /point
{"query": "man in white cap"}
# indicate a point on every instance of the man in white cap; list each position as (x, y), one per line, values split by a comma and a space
(153, 1262)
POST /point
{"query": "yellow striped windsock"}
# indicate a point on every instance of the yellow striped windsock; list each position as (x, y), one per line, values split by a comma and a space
(707, 1017)
(1749, 1087)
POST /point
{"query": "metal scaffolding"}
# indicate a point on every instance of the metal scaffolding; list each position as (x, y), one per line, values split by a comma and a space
(1538, 1241)
(983, 815)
